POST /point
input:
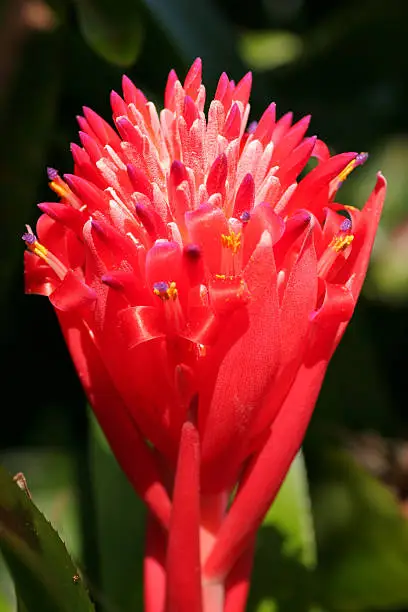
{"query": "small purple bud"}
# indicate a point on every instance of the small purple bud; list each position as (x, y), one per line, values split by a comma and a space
(346, 225)
(161, 287)
(245, 217)
(52, 173)
(29, 238)
(361, 158)
(252, 127)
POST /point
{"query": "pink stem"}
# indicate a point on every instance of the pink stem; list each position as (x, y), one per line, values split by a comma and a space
(154, 566)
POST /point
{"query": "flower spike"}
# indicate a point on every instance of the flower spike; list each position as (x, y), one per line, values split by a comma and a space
(202, 284)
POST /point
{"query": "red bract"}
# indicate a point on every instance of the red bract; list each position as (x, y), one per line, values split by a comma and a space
(201, 288)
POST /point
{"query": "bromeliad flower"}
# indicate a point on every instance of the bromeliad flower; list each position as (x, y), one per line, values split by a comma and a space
(201, 288)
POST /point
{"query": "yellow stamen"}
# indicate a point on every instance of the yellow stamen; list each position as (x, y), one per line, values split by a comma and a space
(59, 189)
(341, 242)
(357, 161)
(347, 170)
(166, 291)
(43, 253)
(39, 249)
(231, 241)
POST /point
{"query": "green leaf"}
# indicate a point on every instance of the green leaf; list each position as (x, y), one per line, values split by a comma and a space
(291, 514)
(7, 593)
(268, 49)
(112, 29)
(45, 577)
(51, 480)
(5, 605)
(120, 523)
(285, 556)
(362, 538)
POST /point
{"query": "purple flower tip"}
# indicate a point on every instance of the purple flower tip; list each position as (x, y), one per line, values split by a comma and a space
(97, 227)
(361, 158)
(29, 238)
(161, 287)
(245, 217)
(346, 225)
(52, 173)
(192, 251)
(252, 127)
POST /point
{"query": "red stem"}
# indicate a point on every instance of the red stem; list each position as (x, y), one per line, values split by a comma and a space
(183, 551)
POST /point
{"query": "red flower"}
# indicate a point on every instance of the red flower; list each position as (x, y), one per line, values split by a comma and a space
(201, 290)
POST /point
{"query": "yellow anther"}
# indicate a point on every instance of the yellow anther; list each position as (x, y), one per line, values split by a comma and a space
(340, 243)
(357, 161)
(40, 250)
(43, 253)
(165, 291)
(59, 189)
(347, 170)
(35, 247)
(231, 241)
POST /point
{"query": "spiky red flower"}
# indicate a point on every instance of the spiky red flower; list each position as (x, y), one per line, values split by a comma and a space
(202, 289)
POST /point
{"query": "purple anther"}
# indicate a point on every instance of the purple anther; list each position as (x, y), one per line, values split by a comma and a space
(192, 251)
(252, 127)
(161, 287)
(29, 238)
(361, 158)
(245, 217)
(346, 225)
(52, 173)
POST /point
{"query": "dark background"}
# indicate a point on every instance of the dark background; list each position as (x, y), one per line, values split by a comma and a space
(345, 63)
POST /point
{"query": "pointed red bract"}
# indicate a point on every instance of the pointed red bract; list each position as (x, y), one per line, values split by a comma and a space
(113, 416)
(183, 551)
(190, 265)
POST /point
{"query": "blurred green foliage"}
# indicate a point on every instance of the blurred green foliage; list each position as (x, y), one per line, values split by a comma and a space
(44, 576)
(344, 63)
